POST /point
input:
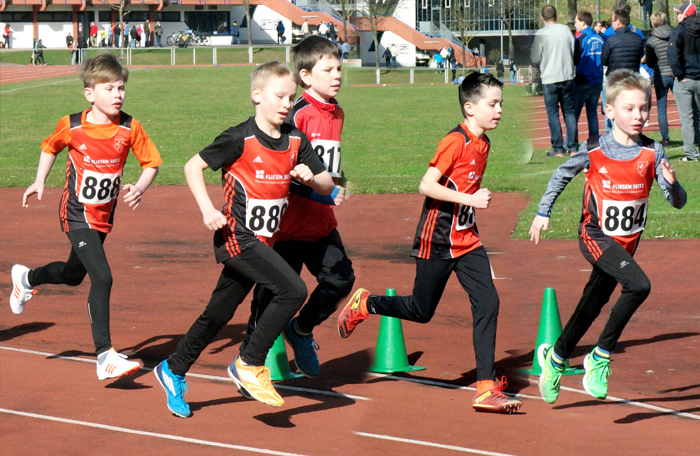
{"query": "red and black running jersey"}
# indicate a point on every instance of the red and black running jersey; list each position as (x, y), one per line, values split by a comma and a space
(255, 174)
(616, 199)
(96, 158)
(307, 220)
(448, 230)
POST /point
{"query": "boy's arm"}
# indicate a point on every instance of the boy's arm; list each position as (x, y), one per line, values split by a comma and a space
(46, 162)
(134, 192)
(430, 187)
(666, 177)
(321, 183)
(194, 174)
(308, 193)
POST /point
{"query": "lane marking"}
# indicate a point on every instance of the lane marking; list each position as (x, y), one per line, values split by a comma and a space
(430, 444)
(202, 376)
(147, 434)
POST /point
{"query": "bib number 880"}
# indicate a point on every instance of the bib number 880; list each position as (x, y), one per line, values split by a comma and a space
(98, 188)
(465, 217)
(263, 216)
(621, 218)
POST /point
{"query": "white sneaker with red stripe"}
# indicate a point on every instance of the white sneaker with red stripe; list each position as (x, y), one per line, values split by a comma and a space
(111, 364)
(20, 293)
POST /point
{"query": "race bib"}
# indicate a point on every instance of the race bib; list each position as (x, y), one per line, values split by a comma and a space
(329, 151)
(621, 218)
(465, 218)
(263, 216)
(99, 188)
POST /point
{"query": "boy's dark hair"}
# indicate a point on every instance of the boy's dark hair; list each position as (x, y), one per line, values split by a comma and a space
(549, 13)
(585, 17)
(100, 69)
(312, 49)
(474, 86)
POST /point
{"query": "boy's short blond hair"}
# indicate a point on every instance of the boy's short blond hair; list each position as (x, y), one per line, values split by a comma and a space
(658, 19)
(103, 68)
(270, 70)
(624, 79)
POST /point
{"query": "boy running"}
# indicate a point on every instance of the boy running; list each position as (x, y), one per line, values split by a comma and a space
(308, 234)
(447, 240)
(98, 142)
(258, 159)
(620, 168)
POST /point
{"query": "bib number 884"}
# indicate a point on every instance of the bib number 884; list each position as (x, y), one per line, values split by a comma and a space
(263, 216)
(621, 218)
(98, 188)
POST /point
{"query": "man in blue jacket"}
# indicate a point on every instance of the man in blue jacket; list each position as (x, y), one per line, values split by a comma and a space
(684, 58)
(589, 71)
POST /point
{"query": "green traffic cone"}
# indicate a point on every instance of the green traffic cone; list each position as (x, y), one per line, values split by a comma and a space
(390, 352)
(548, 333)
(278, 363)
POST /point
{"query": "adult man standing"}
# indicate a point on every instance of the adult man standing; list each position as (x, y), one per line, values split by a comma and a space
(684, 58)
(553, 49)
(394, 53)
(647, 6)
(304, 29)
(589, 71)
(93, 35)
(158, 31)
(117, 34)
(235, 33)
(147, 33)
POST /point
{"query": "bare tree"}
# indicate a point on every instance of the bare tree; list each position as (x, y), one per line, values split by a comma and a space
(246, 6)
(120, 9)
(509, 11)
(376, 11)
(464, 21)
(347, 9)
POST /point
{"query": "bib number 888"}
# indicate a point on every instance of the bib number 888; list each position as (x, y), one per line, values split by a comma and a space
(98, 188)
(263, 216)
(465, 217)
(621, 218)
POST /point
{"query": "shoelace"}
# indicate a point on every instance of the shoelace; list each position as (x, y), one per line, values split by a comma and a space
(602, 371)
(262, 373)
(503, 383)
(180, 385)
(27, 294)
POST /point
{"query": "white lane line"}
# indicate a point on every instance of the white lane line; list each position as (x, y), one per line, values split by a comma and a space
(430, 444)
(192, 374)
(35, 86)
(147, 434)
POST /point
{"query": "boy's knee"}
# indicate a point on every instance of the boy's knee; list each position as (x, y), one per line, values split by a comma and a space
(103, 278)
(641, 287)
(74, 280)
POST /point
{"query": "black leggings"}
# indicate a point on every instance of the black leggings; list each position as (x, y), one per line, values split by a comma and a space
(614, 266)
(474, 273)
(256, 264)
(87, 256)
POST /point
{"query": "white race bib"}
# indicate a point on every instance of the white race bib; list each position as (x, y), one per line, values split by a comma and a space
(329, 151)
(263, 216)
(621, 218)
(99, 188)
(465, 218)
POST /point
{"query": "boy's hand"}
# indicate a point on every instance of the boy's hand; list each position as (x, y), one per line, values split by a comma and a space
(342, 196)
(539, 224)
(36, 187)
(302, 173)
(667, 170)
(481, 199)
(214, 219)
(133, 194)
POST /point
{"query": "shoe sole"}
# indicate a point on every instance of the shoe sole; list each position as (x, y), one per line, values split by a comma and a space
(296, 357)
(542, 360)
(585, 376)
(179, 415)
(123, 374)
(245, 392)
(342, 330)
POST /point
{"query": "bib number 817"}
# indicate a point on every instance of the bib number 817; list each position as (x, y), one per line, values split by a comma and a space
(621, 218)
(98, 188)
(263, 216)
(329, 151)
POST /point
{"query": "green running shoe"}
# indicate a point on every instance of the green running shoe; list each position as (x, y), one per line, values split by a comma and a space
(551, 375)
(595, 381)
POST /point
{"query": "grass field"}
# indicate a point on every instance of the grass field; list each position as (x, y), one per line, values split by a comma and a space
(390, 135)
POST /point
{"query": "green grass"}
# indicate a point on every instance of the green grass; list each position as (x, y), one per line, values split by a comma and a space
(390, 135)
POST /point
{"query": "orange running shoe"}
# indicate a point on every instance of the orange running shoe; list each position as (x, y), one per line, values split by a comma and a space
(255, 381)
(354, 313)
(495, 401)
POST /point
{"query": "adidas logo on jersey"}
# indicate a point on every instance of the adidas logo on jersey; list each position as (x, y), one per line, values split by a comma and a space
(603, 170)
(82, 147)
(257, 159)
(473, 162)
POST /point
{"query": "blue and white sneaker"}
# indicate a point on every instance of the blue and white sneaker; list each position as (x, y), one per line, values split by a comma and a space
(175, 386)
(304, 350)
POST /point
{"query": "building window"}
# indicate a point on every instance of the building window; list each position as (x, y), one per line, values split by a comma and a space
(56, 16)
(6, 18)
(207, 21)
(166, 16)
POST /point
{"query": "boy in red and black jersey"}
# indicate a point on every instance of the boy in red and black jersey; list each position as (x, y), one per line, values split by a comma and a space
(258, 160)
(447, 240)
(620, 168)
(308, 232)
(98, 142)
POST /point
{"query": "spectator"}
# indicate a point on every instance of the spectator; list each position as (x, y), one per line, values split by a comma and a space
(345, 51)
(7, 36)
(134, 35)
(394, 53)
(647, 6)
(158, 32)
(332, 32)
(93, 35)
(74, 52)
(69, 40)
(329, 30)
(622, 7)
(589, 71)
(500, 70)
(657, 59)
(553, 50)
(684, 59)
(82, 45)
(438, 62)
(147, 34)
(126, 35)
(103, 36)
(139, 32)
(280, 32)
(513, 72)
(117, 35)
(304, 29)
(322, 29)
(221, 29)
(235, 33)
(445, 57)
(622, 49)
(110, 36)
(598, 28)
(39, 51)
(387, 57)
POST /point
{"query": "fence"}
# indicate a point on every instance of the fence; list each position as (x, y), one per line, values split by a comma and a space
(422, 75)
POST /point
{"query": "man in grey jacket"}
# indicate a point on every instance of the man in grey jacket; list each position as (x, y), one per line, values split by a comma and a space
(553, 49)
(657, 58)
